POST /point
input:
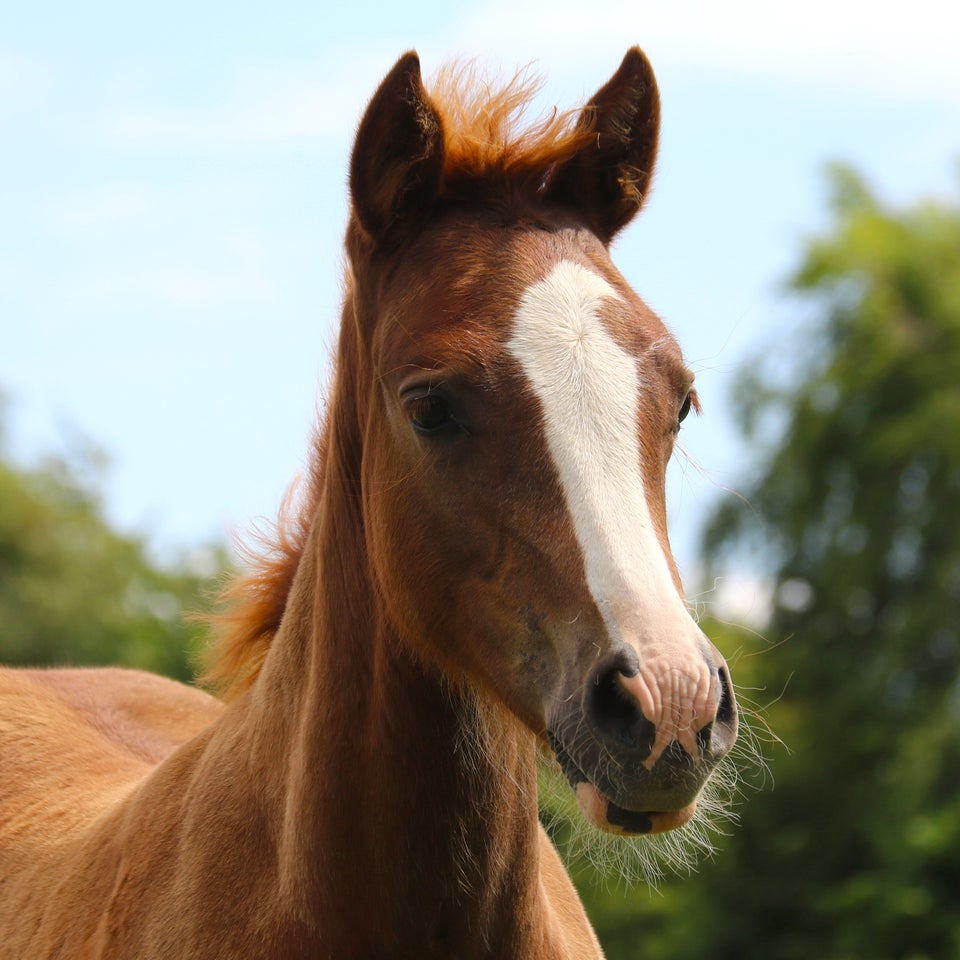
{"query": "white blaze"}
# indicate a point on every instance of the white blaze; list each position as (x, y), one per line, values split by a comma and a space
(589, 389)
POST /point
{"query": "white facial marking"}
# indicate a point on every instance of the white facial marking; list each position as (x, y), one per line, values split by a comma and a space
(589, 388)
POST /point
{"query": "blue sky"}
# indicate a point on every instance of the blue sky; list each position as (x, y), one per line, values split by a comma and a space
(173, 201)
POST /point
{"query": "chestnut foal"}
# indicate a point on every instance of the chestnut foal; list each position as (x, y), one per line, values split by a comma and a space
(479, 566)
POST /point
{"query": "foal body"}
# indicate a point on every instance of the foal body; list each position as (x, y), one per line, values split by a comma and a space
(479, 568)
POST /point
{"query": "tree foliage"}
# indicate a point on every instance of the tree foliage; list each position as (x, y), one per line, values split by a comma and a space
(856, 507)
(75, 591)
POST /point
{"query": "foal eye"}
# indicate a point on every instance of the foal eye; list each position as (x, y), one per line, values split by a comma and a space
(690, 402)
(429, 413)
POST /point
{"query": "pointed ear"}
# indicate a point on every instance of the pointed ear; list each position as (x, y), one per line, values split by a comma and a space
(397, 156)
(607, 180)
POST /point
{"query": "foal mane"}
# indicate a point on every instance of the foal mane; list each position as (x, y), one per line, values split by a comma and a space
(486, 140)
(252, 603)
(485, 133)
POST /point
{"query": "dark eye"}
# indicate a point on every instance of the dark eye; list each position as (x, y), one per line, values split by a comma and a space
(690, 402)
(429, 413)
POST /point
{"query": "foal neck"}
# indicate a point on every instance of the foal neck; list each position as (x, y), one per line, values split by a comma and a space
(409, 802)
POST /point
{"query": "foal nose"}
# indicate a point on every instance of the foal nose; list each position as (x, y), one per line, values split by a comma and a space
(612, 705)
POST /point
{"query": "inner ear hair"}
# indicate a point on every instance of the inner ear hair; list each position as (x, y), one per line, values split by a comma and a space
(608, 180)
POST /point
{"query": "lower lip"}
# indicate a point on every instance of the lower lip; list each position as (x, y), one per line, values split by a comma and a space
(607, 816)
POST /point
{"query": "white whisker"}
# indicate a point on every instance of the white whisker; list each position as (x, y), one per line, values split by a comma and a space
(647, 859)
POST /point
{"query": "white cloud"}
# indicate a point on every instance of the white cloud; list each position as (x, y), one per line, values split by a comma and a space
(847, 46)
(852, 46)
(240, 276)
(268, 105)
(105, 204)
(900, 51)
(24, 84)
(173, 284)
(272, 116)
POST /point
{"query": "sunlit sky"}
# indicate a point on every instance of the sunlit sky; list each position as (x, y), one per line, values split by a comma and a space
(173, 200)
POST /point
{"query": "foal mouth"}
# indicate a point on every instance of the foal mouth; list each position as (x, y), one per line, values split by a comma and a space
(603, 814)
(606, 815)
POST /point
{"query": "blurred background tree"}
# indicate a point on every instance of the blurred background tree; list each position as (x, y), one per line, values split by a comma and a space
(857, 851)
(75, 591)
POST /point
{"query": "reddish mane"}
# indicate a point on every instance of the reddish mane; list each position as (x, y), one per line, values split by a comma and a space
(484, 133)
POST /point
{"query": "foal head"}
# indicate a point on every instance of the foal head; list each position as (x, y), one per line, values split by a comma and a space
(520, 406)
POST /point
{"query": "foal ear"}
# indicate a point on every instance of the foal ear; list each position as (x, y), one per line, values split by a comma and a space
(607, 180)
(397, 156)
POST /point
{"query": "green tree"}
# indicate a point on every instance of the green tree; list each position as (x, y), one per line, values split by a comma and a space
(75, 591)
(855, 509)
